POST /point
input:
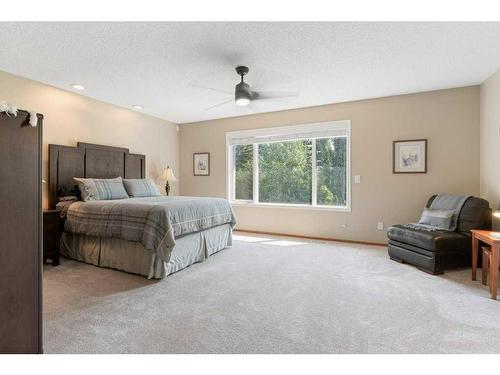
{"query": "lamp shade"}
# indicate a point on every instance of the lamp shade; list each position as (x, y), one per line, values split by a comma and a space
(496, 213)
(168, 175)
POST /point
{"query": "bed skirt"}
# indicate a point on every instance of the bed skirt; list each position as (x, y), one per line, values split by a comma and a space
(134, 258)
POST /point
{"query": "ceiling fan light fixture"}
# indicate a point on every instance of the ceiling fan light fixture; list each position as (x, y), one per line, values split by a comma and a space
(242, 102)
(242, 94)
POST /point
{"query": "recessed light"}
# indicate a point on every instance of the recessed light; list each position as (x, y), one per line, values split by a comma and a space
(77, 86)
(138, 107)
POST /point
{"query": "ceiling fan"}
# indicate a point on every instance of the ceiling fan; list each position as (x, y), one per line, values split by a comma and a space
(244, 96)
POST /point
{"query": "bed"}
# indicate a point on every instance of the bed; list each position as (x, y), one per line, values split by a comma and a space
(152, 236)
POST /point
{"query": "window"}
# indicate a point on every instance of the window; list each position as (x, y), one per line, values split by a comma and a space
(243, 170)
(331, 166)
(304, 166)
(285, 173)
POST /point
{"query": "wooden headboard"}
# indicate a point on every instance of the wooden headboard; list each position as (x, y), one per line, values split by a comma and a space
(89, 161)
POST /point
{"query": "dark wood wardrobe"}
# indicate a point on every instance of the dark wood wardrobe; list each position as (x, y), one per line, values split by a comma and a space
(20, 234)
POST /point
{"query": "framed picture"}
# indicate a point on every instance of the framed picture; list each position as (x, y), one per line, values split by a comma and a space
(201, 164)
(409, 156)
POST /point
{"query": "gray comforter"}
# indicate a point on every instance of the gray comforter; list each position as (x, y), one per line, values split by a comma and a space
(155, 221)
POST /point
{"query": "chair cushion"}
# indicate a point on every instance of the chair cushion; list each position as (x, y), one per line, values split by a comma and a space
(429, 240)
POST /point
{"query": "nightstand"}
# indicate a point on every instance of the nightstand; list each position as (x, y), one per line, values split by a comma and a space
(51, 236)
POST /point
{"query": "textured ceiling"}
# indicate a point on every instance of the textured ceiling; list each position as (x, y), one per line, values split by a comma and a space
(157, 64)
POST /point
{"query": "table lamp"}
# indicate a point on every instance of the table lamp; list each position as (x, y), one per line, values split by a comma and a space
(168, 176)
(496, 214)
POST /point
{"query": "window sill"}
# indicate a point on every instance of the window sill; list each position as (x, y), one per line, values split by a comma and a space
(291, 206)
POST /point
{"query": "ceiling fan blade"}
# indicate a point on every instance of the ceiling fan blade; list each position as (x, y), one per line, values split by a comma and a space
(262, 78)
(261, 95)
(219, 104)
(211, 89)
(253, 108)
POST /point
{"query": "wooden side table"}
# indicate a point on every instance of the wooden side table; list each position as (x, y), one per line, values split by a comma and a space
(486, 237)
(51, 236)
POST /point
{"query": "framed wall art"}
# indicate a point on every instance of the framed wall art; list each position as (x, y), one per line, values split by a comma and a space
(201, 164)
(409, 156)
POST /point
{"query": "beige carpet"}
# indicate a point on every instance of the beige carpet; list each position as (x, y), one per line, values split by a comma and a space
(271, 295)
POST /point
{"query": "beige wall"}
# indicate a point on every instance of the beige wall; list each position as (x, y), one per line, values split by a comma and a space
(449, 119)
(490, 139)
(70, 118)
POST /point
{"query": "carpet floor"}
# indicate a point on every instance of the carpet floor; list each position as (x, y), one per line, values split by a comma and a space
(271, 295)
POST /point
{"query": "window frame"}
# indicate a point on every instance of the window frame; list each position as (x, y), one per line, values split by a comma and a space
(342, 125)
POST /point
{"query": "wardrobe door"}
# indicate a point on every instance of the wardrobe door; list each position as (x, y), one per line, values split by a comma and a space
(20, 234)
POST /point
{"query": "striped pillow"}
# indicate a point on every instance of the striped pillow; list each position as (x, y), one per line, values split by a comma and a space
(440, 219)
(143, 187)
(100, 189)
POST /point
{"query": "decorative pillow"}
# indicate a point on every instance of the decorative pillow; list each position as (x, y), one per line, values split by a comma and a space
(140, 187)
(441, 219)
(64, 203)
(97, 189)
